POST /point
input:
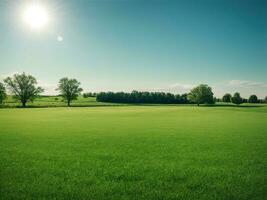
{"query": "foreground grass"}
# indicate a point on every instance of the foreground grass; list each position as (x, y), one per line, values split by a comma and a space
(148, 152)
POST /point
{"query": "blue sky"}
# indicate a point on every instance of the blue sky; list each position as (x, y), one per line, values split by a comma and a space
(143, 45)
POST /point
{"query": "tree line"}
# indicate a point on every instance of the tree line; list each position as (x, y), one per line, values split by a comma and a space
(89, 94)
(201, 94)
(236, 97)
(24, 88)
(141, 97)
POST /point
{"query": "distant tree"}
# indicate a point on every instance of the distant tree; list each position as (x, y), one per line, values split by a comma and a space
(85, 95)
(201, 94)
(244, 100)
(218, 100)
(236, 99)
(89, 94)
(265, 100)
(184, 98)
(227, 98)
(253, 99)
(261, 100)
(2, 93)
(69, 89)
(23, 87)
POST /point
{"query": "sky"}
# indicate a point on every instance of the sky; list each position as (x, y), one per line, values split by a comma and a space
(124, 45)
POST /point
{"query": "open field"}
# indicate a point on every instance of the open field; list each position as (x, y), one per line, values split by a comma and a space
(134, 152)
(54, 101)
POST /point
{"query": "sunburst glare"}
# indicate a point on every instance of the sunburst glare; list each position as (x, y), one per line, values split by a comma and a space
(36, 16)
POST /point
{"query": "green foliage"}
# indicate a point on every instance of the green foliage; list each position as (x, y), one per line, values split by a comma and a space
(141, 97)
(236, 99)
(253, 99)
(2, 93)
(227, 98)
(201, 94)
(69, 89)
(23, 87)
(134, 152)
(244, 100)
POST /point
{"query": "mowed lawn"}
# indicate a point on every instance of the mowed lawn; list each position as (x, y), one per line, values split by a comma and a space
(134, 152)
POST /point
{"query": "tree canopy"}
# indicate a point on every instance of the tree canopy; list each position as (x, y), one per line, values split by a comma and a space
(227, 97)
(69, 89)
(2, 93)
(253, 99)
(201, 94)
(141, 97)
(23, 87)
(236, 99)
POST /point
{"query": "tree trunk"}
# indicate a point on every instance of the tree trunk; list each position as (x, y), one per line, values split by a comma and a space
(197, 104)
(23, 104)
(69, 103)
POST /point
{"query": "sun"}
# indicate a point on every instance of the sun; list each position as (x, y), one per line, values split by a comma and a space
(36, 16)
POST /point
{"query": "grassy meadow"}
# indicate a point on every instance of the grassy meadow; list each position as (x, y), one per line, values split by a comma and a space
(134, 152)
(54, 101)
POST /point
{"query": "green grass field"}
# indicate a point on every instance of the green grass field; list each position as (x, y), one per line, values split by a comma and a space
(54, 101)
(134, 152)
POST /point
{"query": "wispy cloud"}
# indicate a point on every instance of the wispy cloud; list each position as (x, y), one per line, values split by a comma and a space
(246, 83)
(182, 86)
(175, 88)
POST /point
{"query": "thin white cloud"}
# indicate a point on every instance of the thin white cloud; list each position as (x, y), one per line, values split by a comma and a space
(182, 86)
(244, 87)
(176, 88)
(246, 84)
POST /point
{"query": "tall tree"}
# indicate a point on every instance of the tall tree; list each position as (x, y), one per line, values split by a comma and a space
(201, 94)
(227, 97)
(23, 87)
(2, 93)
(69, 89)
(236, 99)
(253, 99)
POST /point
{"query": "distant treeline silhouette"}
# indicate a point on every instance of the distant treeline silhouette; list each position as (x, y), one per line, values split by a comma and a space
(142, 97)
(166, 98)
(23, 88)
(89, 94)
